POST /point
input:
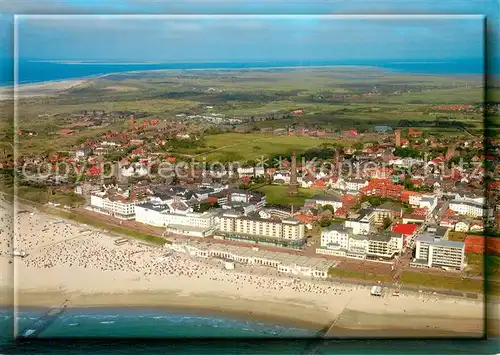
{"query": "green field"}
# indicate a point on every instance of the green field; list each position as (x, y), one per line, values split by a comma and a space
(278, 195)
(441, 281)
(358, 275)
(271, 93)
(251, 146)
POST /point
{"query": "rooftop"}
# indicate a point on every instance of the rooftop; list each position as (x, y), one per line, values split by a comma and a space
(282, 258)
(326, 198)
(427, 238)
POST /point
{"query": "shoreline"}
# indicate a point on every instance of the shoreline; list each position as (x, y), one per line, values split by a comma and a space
(408, 325)
(40, 89)
(250, 68)
(79, 263)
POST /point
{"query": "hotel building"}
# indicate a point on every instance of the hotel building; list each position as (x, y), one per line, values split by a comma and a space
(180, 222)
(468, 207)
(115, 205)
(434, 252)
(287, 232)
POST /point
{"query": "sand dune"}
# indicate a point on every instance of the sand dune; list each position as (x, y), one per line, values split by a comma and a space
(39, 89)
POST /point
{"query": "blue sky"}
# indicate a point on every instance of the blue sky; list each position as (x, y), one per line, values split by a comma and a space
(237, 38)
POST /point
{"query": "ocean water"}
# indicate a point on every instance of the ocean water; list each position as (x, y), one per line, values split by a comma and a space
(234, 336)
(32, 71)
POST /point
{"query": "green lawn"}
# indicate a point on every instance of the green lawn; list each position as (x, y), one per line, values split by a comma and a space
(357, 275)
(278, 194)
(245, 147)
(441, 281)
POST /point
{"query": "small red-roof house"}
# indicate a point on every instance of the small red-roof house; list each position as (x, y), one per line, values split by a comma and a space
(65, 132)
(406, 229)
(95, 170)
(318, 184)
(341, 212)
(414, 133)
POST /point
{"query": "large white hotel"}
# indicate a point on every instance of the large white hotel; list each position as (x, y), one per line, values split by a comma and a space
(285, 232)
(340, 240)
(469, 207)
(435, 252)
(181, 221)
(114, 205)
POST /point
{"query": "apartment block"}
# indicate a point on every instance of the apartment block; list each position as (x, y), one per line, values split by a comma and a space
(233, 225)
(434, 252)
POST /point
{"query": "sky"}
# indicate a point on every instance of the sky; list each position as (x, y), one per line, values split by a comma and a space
(65, 35)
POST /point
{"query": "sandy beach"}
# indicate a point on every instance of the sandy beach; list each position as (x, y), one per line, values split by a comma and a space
(82, 264)
(39, 89)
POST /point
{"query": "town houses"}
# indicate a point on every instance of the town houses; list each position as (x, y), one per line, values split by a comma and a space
(372, 198)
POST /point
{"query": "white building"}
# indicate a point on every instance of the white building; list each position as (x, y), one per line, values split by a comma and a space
(326, 200)
(385, 244)
(136, 170)
(334, 240)
(178, 221)
(434, 252)
(356, 184)
(83, 152)
(361, 224)
(234, 225)
(292, 264)
(114, 206)
(358, 246)
(259, 171)
(428, 201)
(248, 172)
(468, 207)
(462, 226)
(282, 176)
(151, 214)
(340, 241)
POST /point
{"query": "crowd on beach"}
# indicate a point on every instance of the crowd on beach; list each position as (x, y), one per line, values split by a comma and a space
(50, 242)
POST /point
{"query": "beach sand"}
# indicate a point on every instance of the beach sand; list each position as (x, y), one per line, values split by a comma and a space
(91, 271)
(39, 89)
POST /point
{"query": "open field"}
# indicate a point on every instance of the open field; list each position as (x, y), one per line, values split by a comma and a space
(358, 275)
(251, 146)
(278, 194)
(434, 280)
(332, 97)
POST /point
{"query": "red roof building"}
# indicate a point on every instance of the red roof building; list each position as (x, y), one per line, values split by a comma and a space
(65, 132)
(94, 171)
(406, 229)
(382, 188)
(414, 133)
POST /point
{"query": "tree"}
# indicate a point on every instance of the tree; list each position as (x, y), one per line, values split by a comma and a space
(357, 146)
(328, 208)
(325, 223)
(408, 184)
(202, 207)
(386, 223)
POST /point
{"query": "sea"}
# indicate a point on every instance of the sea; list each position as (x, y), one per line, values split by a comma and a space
(35, 71)
(141, 331)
